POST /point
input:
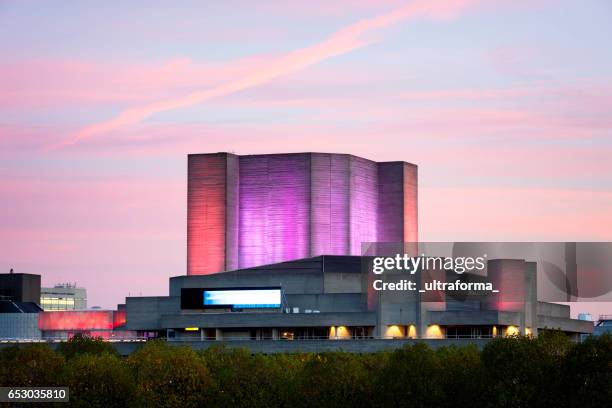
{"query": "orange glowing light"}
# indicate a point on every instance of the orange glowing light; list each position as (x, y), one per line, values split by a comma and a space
(434, 332)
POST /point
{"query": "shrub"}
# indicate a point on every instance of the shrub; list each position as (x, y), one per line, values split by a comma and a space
(523, 372)
(246, 380)
(411, 379)
(170, 376)
(100, 381)
(545, 371)
(34, 365)
(462, 376)
(587, 373)
(336, 379)
(82, 344)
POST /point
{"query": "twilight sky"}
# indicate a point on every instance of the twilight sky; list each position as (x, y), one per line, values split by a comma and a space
(506, 106)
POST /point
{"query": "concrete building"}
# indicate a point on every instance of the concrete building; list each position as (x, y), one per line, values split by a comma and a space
(275, 247)
(603, 325)
(22, 319)
(19, 297)
(20, 287)
(244, 211)
(19, 320)
(63, 296)
(327, 297)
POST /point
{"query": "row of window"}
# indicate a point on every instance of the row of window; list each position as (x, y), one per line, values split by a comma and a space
(56, 303)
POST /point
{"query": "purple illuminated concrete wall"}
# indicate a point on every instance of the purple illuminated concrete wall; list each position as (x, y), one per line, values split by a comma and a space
(274, 208)
(330, 215)
(245, 211)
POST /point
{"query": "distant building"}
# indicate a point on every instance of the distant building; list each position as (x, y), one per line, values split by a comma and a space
(19, 296)
(20, 287)
(22, 319)
(63, 296)
(603, 325)
(19, 320)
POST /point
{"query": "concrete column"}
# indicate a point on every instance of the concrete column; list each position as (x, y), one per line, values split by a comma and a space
(531, 298)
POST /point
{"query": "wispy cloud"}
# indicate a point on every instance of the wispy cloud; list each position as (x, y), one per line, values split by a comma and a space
(341, 42)
(70, 83)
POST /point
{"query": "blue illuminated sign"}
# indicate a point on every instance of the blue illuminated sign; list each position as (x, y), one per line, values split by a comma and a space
(243, 298)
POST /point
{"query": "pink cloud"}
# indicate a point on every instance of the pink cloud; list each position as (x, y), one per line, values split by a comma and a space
(32, 84)
(341, 42)
(576, 109)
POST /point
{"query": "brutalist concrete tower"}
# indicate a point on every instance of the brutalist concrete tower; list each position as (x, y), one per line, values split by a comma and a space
(245, 211)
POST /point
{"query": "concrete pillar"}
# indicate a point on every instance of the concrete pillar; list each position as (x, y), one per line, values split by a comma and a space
(531, 298)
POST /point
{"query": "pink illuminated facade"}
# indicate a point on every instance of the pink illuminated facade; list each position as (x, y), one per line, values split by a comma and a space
(76, 320)
(245, 211)
(63, 324)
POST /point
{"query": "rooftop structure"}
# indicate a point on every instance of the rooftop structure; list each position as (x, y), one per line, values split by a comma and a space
(63, 296)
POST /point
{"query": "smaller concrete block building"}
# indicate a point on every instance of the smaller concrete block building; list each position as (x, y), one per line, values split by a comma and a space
(20, 287)
(19, 297)
(326, 297)
(19, 320)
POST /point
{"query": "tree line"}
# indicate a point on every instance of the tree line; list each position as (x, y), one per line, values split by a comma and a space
(547, 371)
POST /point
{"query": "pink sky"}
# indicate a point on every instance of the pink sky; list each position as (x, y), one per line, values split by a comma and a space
(504, 105)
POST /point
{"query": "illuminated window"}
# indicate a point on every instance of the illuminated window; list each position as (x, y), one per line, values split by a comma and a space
(394, 331)
(434, 332)
(287, 334)
(512, 331)
(339, 332)
(342, 332)
(56, 303)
